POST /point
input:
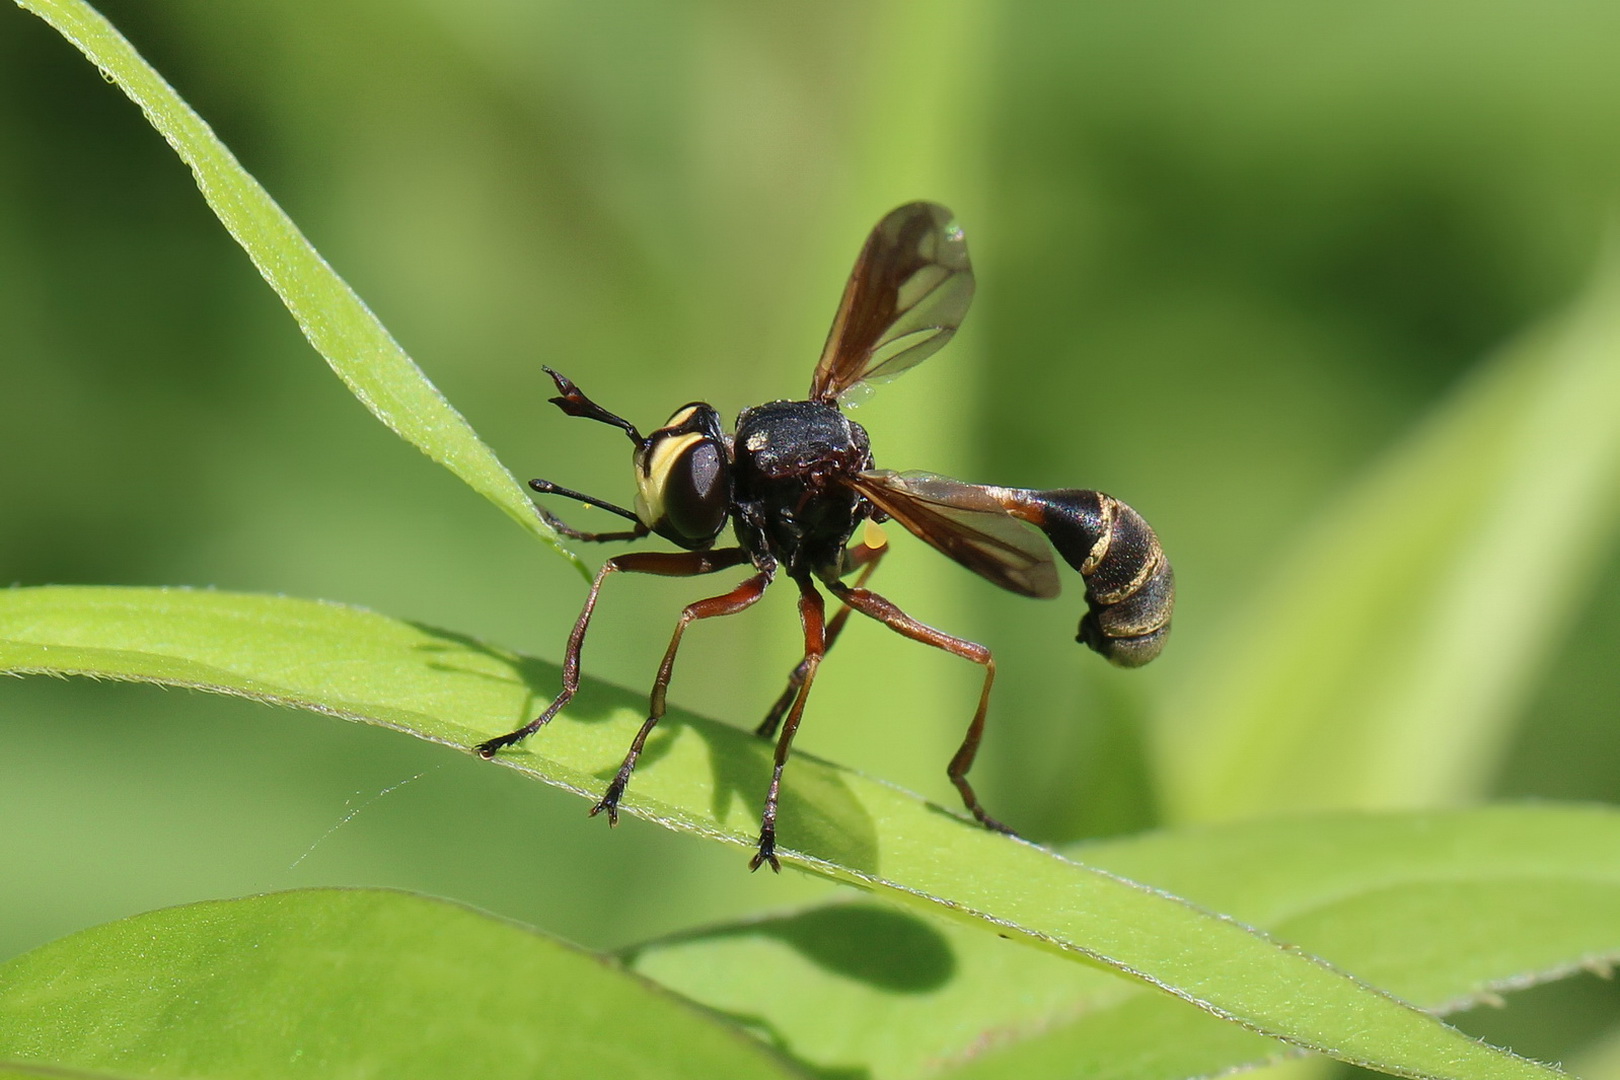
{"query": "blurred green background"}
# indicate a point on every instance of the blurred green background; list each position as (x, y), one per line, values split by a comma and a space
(1227, 255)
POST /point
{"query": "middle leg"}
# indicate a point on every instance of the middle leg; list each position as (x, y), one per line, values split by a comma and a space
(865, 556)
(813, 616)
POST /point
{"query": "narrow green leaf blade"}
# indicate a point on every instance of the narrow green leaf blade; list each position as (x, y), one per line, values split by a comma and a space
(1444, 909)
(13, 1071)
(704, 777)
(335, 320)
(350, 983)
(1384, 663)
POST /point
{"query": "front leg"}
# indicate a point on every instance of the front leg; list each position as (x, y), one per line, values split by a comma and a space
(664, 564)
(741, 598)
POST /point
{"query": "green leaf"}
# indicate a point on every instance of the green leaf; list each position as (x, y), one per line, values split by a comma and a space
(351, 983)
(1443, 909)
(703, 777)
(1384, 664)
(335, 320)
(1602, 1061)
(11, 1071)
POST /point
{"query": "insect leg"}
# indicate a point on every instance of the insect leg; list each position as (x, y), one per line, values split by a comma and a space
(813, 616)
(859, 556)
(741, 598)
(662, 563)
(871, 604)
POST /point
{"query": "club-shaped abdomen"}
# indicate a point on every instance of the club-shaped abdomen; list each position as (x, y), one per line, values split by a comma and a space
(1130, 587)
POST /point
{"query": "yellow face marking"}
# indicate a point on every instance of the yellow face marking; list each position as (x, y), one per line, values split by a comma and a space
(681, 416)
(651, 477)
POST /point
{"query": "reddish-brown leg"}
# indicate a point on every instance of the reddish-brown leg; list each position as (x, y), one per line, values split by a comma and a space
(870, 603)
(741, 598)
(859, 556)
(813, 616)
(662, 563)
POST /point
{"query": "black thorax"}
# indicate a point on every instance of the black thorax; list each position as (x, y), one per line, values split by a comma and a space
(789, 503)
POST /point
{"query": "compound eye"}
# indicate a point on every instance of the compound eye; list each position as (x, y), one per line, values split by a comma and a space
(683, 486)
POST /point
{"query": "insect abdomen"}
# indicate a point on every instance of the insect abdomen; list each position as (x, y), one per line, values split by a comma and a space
(1130, 587)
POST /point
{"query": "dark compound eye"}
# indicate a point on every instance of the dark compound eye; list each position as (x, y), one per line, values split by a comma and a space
(695, 497)
(683, 489)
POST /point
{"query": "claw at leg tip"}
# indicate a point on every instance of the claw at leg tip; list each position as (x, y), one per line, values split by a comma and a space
(609, 808)
(765, 855)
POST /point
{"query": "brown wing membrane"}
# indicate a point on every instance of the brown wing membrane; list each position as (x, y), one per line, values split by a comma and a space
(910, 288)
(965, 522)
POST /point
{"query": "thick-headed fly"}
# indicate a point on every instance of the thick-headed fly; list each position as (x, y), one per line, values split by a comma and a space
(797, 479)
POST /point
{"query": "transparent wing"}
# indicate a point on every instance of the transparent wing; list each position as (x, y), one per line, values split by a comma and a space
(965, 522)
(910, 288)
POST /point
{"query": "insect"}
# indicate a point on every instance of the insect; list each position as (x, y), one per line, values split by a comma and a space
(797, 479)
